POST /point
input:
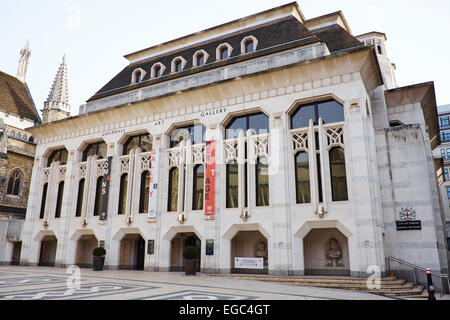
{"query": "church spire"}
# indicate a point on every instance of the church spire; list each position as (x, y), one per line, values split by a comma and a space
(57, 105)
(23, 62)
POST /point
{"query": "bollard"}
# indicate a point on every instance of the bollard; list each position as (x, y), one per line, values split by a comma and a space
(430, 286)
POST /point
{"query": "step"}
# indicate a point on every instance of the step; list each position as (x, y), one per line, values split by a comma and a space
(391, 286)
(303, 278)
(412, 292)
(307, 280)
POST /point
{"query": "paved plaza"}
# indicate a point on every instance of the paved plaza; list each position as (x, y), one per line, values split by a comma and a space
(43, 283)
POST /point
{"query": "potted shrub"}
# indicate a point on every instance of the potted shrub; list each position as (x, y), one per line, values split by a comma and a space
(191, 256)
(98, 258)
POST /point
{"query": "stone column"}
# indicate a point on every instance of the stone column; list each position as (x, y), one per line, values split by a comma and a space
(66, 254)
(280, 244)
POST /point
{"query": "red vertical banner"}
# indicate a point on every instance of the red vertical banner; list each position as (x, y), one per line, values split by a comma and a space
(210, 185)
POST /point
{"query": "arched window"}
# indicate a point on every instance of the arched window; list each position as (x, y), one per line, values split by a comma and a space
(258, 122)
(262, 182)
(330, 112)
(143, 141)
(98, 196)
(123, 193)
(14, 183)
(195, 132)
(232, 183)
(31, 139)
(58, 155)
(24, 137)
(302, 183)
(199, 176)
(12, 133)
(98, 148)
(144, 192)
(80, 197)
(43, 201)
(59, 199)
(18, 135)
(338, 174)
(173, 190)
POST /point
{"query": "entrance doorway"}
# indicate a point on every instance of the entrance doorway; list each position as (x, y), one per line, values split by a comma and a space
(132, 252)
(326, 253)
(249, 244)
(177, 245)
(47, 254)
(17, 247)
(85, 245)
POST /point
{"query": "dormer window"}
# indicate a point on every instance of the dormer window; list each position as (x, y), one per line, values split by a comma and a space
(137, 76)
(248, 44)
(178, 64)
(157, 70)
(200, 58)
(223, 51)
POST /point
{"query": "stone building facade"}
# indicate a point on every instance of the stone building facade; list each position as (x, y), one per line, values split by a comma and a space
(272, 141)
(17, 148)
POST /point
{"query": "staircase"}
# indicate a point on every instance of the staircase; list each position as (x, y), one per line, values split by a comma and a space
(391, 286)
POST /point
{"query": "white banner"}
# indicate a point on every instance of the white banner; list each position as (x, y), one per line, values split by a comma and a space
(153, 192)
(249, 263)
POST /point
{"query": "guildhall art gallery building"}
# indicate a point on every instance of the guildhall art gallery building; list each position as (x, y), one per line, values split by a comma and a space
(273, 137)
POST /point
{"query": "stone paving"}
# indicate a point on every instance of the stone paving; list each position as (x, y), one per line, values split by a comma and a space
(37, 283)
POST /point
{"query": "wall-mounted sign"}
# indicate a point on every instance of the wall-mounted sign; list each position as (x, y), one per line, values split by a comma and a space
(249, 263)
(105, 189)
(153, 183)
(110, 132)
(210, 247)
(210, 186)
(150, 246)
(213, 112)
(409, 225)
(408, 220)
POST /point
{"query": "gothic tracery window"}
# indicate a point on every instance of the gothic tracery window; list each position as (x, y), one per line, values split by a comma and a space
(330, 112)
(14, 183)
(97, 148)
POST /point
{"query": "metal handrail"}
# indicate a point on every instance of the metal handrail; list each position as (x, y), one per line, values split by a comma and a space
(416, 267)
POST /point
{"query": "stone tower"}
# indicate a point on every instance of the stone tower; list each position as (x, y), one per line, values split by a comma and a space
(57, 105)
(23, 62)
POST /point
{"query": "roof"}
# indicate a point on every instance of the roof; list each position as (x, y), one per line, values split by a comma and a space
(282, 34)
(16, 99)
(423, 93)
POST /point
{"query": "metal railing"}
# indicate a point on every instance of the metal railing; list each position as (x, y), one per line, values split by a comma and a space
(416, 268)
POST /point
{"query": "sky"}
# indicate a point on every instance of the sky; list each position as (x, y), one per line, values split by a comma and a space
(96, 34)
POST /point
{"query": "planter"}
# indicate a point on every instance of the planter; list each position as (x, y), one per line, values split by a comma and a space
(190, 266)
(98, 263)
